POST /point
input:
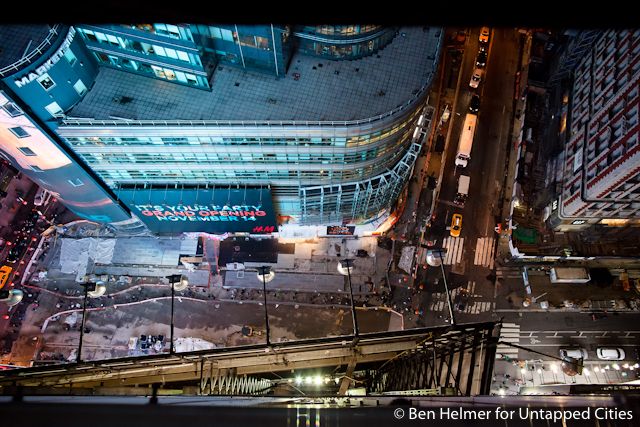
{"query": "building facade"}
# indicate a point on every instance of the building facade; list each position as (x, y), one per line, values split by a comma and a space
(38, 84)
(601, 160)
(335, 141)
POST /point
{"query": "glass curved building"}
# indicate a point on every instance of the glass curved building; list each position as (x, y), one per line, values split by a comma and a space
(334, 140)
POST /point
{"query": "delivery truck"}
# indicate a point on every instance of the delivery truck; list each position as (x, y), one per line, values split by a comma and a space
(463, 190)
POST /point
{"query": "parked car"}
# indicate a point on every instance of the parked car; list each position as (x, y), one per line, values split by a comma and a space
(481, 59)
(484, 35)
(475, 78)
(576, 353)
(456, 225)
(610, 353)
(474, 104)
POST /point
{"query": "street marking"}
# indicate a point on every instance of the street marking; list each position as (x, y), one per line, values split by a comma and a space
(510, 332)
(484, 252)
(454, 246)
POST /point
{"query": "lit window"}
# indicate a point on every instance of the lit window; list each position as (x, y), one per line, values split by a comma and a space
(26, 151)
(46, 82)
(12, 109)
(226, 35)
(578, 222)
(76, 182)
(54, 109)
(19, 132)
(80, 87)
(70, 57)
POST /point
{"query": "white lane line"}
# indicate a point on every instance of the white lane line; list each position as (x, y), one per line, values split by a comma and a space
(479, 247)
(491, 252)
(459, 249)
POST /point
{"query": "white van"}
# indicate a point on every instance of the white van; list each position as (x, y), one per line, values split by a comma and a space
(41, 197)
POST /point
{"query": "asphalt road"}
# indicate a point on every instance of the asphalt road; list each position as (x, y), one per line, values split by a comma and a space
(549, 332)
(470, 257)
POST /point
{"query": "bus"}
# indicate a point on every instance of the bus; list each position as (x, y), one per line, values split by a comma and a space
(466, 140)
(569, 275)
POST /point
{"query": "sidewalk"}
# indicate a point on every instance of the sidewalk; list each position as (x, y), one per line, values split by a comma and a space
(505, 244)
(562, 296)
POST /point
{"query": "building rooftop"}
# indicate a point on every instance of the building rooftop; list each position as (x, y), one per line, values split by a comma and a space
(18, 41)
(314, 88)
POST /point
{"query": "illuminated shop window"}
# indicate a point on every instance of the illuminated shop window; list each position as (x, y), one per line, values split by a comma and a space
(19, 132)
(46, 81)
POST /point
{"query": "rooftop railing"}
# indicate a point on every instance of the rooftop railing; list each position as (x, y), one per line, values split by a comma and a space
(35, 53)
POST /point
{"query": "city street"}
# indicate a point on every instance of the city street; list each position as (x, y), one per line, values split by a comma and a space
(469, 259)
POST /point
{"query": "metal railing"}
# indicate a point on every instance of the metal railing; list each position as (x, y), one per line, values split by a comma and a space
(35, 53)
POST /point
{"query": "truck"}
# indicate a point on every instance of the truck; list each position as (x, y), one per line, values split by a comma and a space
(463, 190)
(569, 275)
(466, 140)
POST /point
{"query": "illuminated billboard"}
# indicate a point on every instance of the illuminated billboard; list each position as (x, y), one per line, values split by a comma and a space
(340, 230)
(177, 210)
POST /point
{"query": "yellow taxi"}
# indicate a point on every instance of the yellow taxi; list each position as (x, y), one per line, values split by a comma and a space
(456, 225)
(5, 272)
(484, 35)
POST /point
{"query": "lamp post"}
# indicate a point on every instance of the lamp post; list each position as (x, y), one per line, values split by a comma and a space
(267, 275)
(347, 264)
(438, 252)
(88, 287)
(182, 285)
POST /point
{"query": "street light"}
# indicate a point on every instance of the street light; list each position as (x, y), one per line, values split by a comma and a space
(265, 273)
(11, 297)
(438, 252)
(88, 287)
(178, 283)
(347, 265)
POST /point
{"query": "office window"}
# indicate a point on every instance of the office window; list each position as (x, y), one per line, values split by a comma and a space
(46, 81)
(226, 35)
(76, 182)
(26, 151)
(54, 109)
(171, 53)
(183, 56)
(71, 57)
(215, 32)
(262, 42)
(159, 50)
(167, 30)
(248, 41)
(90, 35)
(80, 87)
(19, 132)
(12, 109)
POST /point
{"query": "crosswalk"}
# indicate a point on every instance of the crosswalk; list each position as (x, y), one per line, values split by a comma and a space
(454, 247)
(485, 247)
(510, 332)
(439, 302)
